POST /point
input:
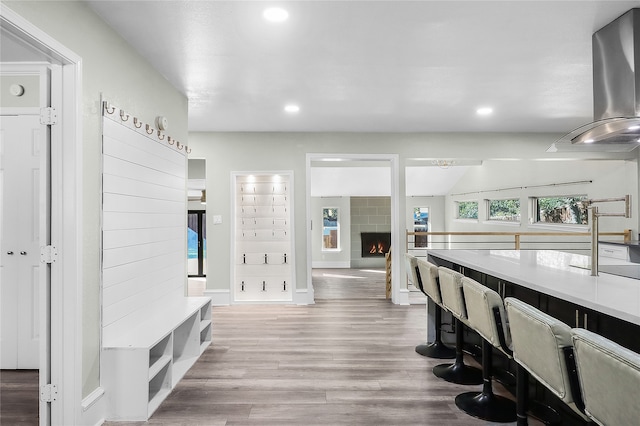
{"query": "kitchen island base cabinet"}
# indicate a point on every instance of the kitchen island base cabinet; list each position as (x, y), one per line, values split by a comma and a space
(573, 314)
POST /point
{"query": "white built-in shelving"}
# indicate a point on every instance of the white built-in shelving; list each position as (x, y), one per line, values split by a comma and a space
(147, 360)
(263, 241)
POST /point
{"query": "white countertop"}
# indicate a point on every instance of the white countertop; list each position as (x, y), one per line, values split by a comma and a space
(559, 274)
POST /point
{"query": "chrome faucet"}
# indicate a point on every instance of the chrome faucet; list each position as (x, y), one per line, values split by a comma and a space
(593, 220)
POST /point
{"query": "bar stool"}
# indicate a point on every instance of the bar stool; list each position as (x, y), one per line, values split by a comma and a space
(542, 347)
(609, 376)
(453, 301)
(485, 312)
(427, 275)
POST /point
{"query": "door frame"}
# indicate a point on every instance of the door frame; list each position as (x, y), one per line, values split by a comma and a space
(399, 295)
(65, 321)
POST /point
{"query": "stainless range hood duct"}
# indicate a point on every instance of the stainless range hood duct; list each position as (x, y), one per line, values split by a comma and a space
(616, 91)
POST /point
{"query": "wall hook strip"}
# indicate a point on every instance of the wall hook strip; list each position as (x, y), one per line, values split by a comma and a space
(171, 141)
(109, 111)
(149, 130)
(122, 114)
(188, 149)
(179, 146)
(137, 122)
(160, 135)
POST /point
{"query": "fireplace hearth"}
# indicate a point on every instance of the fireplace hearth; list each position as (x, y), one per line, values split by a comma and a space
(375, 244)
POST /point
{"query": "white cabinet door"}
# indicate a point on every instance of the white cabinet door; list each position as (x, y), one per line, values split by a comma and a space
(22, 140)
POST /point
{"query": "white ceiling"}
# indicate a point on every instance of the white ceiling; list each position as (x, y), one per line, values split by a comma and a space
(375, 66)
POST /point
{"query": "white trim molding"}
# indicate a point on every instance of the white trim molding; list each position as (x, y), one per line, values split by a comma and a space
(219, 297)
(66, 222)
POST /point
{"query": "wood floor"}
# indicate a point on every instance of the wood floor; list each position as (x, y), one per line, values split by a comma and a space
(347, 360)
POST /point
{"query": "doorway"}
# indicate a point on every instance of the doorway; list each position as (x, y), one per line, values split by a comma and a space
(59, 347)
(24, 191)
(25, 216)
(371, 165)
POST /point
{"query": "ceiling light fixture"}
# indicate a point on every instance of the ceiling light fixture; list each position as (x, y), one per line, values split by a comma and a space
(484, 111)
(633, 127)
(443, 164)
(292, 108)
(589, 141)
(275, 14)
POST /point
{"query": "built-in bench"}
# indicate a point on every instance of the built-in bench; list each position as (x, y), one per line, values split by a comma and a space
(143, 362)
(151, 333)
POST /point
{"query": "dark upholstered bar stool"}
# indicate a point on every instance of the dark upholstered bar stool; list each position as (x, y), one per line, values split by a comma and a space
(485, 313)
(542, 347)
(453, 301)
(428, 282)
(609, 376)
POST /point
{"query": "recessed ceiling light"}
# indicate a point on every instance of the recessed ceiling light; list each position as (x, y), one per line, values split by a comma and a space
(484, 111)
(292, 108)
(589, 141)
(275, 14)
(634, 127)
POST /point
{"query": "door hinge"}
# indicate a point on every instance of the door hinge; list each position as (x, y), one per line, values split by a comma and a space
(48, 116)
(48, 254)
(48, 393)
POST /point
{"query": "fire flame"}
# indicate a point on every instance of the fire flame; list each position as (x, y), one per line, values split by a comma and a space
(377, 249)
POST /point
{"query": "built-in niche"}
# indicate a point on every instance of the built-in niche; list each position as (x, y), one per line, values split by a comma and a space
(263, 252)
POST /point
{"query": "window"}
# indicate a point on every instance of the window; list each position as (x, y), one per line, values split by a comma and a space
(196, 244)
(420, 224)
(330, 235)
(569, 209)
(504, 210)
(467, 210)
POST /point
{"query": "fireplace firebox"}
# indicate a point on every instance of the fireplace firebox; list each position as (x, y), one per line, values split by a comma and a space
(375, 244)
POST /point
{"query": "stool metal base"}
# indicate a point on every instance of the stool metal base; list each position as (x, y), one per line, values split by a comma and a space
(458, 373)
(437, 350)
(487, 406)
(544, 413)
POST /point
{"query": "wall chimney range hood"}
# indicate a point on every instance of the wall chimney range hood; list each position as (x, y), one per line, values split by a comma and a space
(616, 91)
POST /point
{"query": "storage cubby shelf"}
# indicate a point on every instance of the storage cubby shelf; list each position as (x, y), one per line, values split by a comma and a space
(143, 363)
(157, 365)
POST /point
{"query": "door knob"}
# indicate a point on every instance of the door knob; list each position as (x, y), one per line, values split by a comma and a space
(23, 253)
(10, 253)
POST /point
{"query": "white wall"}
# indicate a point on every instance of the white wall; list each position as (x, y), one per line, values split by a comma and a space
(324, 258)
(227, 152)
(110, 68)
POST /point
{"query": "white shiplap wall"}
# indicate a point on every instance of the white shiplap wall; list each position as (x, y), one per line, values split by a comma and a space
(143, 223)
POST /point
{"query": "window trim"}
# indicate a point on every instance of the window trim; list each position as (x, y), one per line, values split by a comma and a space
(428, 226)
(330, 249)
(533, 214)
(456, 211)
(498, 221)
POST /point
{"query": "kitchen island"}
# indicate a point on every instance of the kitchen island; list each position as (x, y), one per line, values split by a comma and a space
(561, 285)
(558, 283)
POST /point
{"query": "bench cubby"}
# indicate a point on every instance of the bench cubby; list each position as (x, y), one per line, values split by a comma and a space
(143, 362)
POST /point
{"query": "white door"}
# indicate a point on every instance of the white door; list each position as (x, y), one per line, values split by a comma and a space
(23, 143)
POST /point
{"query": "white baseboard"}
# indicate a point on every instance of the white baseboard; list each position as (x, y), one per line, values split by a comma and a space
(403, 297)
(94, 408)
(219, 297)
(331, 265)
(304, 296)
